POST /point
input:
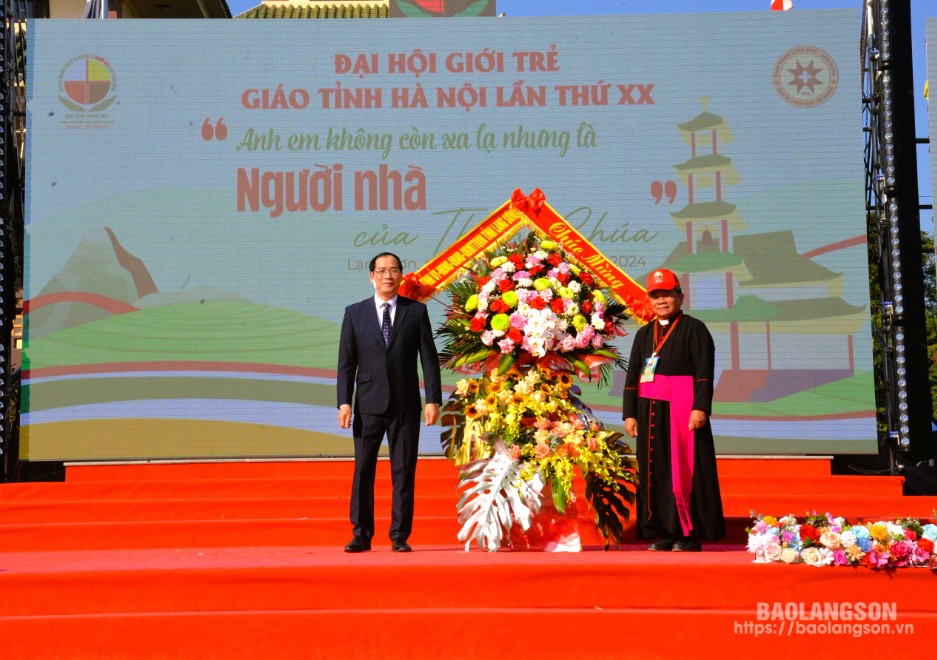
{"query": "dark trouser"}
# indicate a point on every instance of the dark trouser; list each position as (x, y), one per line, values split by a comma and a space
(403, 437)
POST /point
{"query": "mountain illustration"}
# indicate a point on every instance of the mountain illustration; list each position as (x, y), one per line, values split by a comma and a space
(100, 278)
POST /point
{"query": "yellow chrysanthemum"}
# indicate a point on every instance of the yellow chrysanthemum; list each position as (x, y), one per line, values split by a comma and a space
(771, 521)
(879, 532)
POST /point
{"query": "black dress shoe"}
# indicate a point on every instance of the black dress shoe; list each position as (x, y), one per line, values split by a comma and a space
(358, 544)
(687, 545)
(662, 545)
(401, 546)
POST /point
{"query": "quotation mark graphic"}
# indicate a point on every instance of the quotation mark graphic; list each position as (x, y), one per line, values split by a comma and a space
(661, 189)
(218, 131)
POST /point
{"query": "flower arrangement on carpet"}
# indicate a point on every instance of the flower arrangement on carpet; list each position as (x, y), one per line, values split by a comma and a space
(822, 540)
(527, 318)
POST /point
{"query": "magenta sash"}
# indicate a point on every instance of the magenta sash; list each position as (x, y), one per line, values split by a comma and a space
(678, 390)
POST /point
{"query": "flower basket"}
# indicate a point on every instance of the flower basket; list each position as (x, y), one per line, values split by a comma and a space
(823, 540)
(552, 530)
(528, 319)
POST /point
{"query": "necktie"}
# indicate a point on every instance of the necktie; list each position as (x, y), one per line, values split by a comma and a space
(385, 324)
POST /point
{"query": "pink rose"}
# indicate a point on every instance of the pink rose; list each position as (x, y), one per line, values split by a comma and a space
(901, 551)
(773, 551)
(830, 540)
(514, 452)
(542, 451)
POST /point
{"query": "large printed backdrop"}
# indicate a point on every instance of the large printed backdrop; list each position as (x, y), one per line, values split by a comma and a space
(204, 196)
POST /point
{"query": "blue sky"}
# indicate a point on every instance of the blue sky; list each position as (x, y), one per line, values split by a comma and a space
(920, 9)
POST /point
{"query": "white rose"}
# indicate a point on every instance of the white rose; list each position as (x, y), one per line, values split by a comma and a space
(811, 556)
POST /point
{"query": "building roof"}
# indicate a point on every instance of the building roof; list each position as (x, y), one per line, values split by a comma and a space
(318, 9)
(701, 122)
(773, 260)
(808, 315)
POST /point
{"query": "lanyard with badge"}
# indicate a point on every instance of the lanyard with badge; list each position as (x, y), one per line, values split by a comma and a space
(650, 365)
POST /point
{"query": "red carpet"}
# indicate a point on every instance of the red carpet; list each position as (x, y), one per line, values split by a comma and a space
(244, 560)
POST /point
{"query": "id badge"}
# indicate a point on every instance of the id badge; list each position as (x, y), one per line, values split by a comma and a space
(647, 373)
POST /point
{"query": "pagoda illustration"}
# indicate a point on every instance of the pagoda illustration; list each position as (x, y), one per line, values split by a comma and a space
(778, 318)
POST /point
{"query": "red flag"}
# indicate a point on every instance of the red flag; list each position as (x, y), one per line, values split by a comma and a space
(782, 5)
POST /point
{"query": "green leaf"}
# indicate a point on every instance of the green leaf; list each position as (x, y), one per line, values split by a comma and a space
(407, 8)
(474, 9)
(472, 358)
(559, 499)
(611, 505)
(505, 363)
(580, 364)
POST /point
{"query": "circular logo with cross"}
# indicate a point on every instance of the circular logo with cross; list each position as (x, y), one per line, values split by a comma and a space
(805, 76)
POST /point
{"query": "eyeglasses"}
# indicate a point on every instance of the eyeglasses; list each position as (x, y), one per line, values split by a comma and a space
(387, 271)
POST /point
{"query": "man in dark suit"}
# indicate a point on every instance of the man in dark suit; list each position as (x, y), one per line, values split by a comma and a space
(382, 339)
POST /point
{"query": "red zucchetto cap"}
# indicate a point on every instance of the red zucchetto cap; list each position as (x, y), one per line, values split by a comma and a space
(662, 280)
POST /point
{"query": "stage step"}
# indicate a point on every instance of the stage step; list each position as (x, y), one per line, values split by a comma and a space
(293, 602)
(223, 559)
(431, 485)
(169, 505)
(767, 467)
(283, 506)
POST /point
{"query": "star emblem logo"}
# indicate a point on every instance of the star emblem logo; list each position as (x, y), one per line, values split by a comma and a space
(805, 76)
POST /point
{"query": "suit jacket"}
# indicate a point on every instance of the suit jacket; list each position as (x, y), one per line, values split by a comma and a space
(385, 375)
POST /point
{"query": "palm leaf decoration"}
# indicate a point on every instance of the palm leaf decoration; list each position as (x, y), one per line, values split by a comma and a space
(452, 420)
(612, 500)
(494, 498)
